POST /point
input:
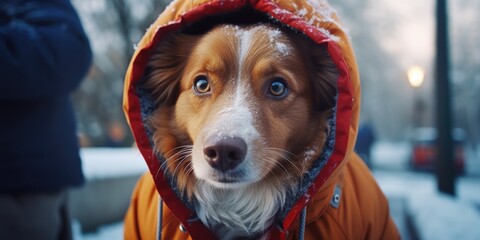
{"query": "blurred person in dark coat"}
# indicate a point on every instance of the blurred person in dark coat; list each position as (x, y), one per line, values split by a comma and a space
(365, 140)
(44, 54)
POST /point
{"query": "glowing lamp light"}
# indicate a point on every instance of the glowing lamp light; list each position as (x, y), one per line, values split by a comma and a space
(415, 76)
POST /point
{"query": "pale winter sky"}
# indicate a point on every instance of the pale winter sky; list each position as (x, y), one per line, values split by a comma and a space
(411, 37)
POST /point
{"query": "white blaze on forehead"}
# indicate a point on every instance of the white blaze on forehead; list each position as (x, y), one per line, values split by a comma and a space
(238, 110)
(245, 40)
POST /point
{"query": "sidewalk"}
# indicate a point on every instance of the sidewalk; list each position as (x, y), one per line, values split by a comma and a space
(429, 214)
(398, 210)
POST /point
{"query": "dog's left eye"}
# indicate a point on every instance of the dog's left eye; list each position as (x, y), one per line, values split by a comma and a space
(278, 88)
(201, 85)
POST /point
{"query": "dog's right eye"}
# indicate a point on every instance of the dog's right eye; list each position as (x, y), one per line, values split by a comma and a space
(201, 85)
(278, 88)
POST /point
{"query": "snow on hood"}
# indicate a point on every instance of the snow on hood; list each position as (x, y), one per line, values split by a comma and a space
(315, 19)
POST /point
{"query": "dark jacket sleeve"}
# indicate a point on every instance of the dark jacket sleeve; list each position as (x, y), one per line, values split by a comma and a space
(43, 49)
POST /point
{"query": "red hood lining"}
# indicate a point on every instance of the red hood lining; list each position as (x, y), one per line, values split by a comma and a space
(167, 188)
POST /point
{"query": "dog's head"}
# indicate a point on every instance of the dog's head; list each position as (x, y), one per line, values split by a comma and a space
(240, 105)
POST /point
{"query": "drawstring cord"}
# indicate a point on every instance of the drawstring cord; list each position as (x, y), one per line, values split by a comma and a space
(160, 215)
(303, 220)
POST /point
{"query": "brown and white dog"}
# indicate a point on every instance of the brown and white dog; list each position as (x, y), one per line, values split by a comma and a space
(241, 109)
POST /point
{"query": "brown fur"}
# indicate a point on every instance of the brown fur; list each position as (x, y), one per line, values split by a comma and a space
(294, 124)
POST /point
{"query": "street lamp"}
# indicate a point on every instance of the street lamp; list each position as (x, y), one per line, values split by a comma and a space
(415, 75)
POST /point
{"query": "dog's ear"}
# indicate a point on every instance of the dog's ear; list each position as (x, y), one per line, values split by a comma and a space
(166, 65)
(323, 74)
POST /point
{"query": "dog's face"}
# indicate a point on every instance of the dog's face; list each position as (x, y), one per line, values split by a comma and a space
(239, 105)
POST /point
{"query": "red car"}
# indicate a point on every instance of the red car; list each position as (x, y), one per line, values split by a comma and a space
(423, 149)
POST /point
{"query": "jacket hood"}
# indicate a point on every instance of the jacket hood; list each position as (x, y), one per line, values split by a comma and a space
(313, 18)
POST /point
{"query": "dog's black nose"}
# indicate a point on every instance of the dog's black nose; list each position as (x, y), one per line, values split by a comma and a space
(224, 153)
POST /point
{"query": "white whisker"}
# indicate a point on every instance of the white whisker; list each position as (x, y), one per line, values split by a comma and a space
(180, 163)
(181, 153)
(287, 156)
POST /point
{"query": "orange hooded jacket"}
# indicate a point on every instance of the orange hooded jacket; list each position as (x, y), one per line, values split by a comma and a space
(342, 199)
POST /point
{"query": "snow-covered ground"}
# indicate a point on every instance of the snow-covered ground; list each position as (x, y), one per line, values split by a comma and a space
(107, 232)
(435, 216)
(101, 163)
(391, 155)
